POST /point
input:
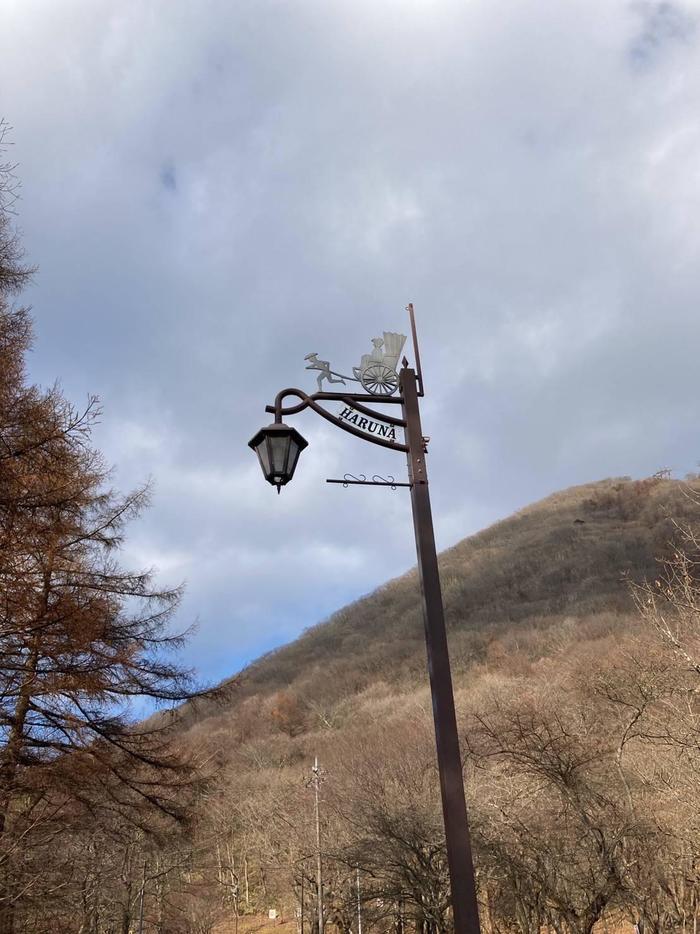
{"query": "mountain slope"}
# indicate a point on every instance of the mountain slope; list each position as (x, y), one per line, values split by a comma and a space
(566, 560)
(576, 751)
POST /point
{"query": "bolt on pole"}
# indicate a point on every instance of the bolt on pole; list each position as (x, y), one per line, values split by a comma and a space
(459, 856)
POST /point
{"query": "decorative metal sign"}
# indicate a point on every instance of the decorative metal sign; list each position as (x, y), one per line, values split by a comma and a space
(372, 427)
(377, 372)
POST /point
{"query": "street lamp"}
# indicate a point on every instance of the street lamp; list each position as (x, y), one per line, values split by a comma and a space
(278, 448)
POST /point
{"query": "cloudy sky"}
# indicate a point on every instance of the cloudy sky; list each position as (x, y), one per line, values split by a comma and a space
(213, 188)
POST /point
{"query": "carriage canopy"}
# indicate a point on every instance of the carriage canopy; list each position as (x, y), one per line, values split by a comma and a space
(393, 345)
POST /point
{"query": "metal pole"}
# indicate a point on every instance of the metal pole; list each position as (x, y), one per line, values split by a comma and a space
(454, 809)
(359, 904)
(143, 893)
(319, 867)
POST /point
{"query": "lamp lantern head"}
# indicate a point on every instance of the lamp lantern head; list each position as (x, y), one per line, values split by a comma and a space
(278, 447)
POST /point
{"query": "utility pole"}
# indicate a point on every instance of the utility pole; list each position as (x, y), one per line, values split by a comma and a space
(301, 916)
(359, 903)
(319, 866)
(143, 895)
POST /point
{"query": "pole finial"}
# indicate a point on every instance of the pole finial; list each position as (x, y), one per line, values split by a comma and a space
(416, 350)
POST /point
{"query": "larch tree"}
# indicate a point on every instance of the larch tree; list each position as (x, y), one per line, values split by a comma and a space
(81, 637)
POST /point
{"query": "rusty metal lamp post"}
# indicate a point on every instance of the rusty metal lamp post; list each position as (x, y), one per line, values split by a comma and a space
(278, 447)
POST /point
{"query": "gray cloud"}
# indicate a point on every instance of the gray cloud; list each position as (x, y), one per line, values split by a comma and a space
(168, 177)
(661, 24)
(212, 190)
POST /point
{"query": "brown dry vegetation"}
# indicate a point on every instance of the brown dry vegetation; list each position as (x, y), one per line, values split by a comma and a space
(545, 638)
(511, 594)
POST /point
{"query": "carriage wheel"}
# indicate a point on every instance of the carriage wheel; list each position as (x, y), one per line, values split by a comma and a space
(380, 380)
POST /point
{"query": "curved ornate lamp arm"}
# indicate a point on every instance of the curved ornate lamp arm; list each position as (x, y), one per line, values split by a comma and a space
(311, 402)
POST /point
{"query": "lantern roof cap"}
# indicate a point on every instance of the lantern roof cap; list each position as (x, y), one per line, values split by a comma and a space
(278, 428)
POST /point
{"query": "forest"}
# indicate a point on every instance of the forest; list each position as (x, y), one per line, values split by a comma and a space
(575, 638)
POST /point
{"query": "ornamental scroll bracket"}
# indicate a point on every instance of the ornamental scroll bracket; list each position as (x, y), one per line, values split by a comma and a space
(351, 480)
(355, 401)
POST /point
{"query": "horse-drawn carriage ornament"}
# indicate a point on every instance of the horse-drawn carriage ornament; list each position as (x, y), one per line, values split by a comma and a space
(377, 372)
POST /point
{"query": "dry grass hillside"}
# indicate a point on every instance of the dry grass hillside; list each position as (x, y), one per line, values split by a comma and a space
(565, 561)
(578, 724)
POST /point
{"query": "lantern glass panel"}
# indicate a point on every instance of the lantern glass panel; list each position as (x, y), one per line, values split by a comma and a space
(294, 452)
(279, 454)
(263, 452)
